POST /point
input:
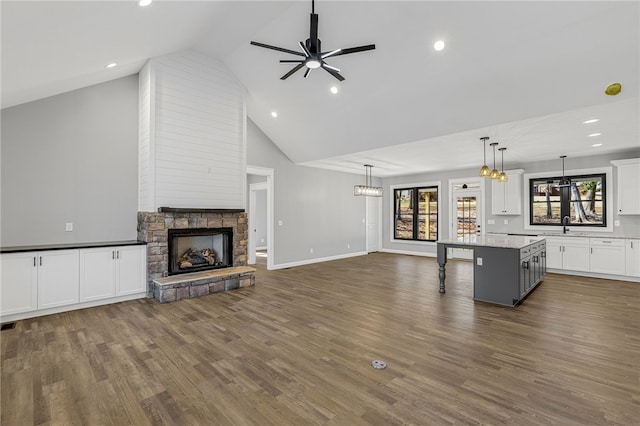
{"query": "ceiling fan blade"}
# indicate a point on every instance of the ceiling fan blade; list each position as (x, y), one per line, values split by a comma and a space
(293, 70)
(336, 74)
(355, 49)
(327, 66)
(313, 34)
(291, 61)
(280, 49)
(324, 55)
(307, 54)
(306, 73)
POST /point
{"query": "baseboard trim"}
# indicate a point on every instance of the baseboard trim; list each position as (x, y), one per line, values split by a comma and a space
(318, 260)
(410, 253)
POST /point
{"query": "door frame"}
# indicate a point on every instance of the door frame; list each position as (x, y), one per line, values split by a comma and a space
(378, 212)
(269, 186)
(452, 204)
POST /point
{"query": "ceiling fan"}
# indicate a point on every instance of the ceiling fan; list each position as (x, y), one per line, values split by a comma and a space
(313, 55)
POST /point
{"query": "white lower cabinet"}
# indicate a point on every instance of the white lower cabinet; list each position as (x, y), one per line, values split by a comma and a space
(39, 280)
(607, 256)
(632, 264)
(570, 253)
(19, 283)
(112, 271)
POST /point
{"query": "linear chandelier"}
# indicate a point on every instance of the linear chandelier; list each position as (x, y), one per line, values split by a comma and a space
(367, 190)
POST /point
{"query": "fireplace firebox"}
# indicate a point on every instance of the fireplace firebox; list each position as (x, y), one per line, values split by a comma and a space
(199, 249)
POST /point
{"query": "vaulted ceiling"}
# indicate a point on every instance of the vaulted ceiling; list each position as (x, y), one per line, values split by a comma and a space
(527, 74)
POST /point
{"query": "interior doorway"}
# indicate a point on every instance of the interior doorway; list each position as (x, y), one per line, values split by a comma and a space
(374, 214)
(260, 215)
(466, 214)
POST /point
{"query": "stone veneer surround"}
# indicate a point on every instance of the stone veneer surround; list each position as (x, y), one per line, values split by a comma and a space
(152, 229)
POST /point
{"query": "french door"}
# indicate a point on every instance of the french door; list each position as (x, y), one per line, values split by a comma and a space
(466, 218)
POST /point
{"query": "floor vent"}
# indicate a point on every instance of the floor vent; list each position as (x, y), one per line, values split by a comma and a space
(378, 364)
(8, 326)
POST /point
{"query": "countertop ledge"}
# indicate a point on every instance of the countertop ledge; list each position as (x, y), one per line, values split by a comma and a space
(70, 246)
(574, 234)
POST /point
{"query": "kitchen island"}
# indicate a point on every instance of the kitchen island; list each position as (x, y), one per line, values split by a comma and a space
(505, 268)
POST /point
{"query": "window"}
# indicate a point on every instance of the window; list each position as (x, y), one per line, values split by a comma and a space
(416, 213)
(583, 201)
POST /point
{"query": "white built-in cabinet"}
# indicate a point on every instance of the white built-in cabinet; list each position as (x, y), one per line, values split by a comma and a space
(607, 256)
(506, 197)
(111, 271)
(628, 186)
(41, 282)
(571, 253)
(632, 251)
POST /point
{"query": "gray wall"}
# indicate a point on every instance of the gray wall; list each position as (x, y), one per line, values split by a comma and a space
(317, 207)
(71, 158)
(629, 225)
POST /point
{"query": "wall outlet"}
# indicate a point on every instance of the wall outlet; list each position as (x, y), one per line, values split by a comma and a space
(262, 240)
(491, 222)
(311, 250)
(68, 227)
(616, 223)
(279, 223)
(479, 261)
(506, 221)
(348, 245)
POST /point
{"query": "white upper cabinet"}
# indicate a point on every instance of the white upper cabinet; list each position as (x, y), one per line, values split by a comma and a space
(506, 197)
(628, 186)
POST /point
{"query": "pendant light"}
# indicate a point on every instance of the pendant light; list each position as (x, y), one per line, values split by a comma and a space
(564, 182)
(502, 177)
(367, 190)
(494, 173)
(484, 171)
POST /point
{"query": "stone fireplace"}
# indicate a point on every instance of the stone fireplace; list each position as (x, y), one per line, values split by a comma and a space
(214, 242)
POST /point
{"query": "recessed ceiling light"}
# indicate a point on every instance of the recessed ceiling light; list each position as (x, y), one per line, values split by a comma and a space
(438, 45)
(111, 65)
(596, 145)
(591, 120)
(334, 90)
(144, 3)
(274, 114)
(592, 135)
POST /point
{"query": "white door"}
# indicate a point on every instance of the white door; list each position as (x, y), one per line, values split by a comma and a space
(373, 223)
(466, 218)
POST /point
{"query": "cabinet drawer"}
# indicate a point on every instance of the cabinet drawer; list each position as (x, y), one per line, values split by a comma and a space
(525, 252)
(611, 242)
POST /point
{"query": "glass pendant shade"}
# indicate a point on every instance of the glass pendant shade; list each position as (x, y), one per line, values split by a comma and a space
(484, 170)
(494, 173)
(367, 190)
(502, 177)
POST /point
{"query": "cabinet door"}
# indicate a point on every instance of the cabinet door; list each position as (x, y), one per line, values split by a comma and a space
(632, 265)
(19, 285)
(58, 278)
(97, 273)
(497, 197)
(607, 256)
(554, 254)
(131, 267)
(506, 197)
(628, 189)
(575, 254)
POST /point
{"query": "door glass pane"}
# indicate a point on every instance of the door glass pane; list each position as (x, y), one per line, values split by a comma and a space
(466, 218)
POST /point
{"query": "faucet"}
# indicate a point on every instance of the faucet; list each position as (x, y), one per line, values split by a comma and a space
(565, 222)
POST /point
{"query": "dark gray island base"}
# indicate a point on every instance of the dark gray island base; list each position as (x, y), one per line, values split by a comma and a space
(505, 268)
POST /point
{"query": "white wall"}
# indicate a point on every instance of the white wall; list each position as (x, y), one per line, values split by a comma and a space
(71, 158)
(192, 134)
(317, 207)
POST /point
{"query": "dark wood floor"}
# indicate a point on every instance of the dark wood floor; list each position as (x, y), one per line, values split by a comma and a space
(296, 350)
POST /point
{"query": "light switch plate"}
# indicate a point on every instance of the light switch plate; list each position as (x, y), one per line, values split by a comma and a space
(68, 227)
(491, 222)
(479, 261)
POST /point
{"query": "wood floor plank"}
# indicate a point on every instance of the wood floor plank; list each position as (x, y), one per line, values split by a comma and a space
(296, 350)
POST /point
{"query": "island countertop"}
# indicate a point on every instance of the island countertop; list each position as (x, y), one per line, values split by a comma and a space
(499, 241)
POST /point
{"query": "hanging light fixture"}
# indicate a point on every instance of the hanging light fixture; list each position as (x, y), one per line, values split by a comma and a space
(494, 173)
(484, 171)
(367, 190)
(564, 182)
(502, 177)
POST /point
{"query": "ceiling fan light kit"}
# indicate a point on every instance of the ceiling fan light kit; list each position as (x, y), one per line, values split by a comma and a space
(313, 56)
